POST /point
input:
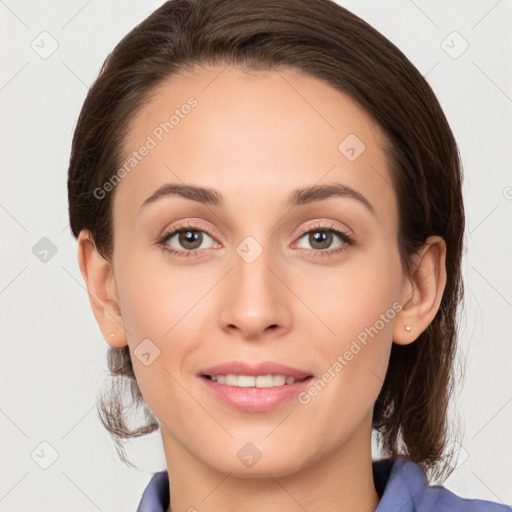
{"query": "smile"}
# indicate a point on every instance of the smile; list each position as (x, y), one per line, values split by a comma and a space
(251, 381)
(254, 386)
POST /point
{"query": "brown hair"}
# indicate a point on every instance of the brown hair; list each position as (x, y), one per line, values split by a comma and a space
(326, 41)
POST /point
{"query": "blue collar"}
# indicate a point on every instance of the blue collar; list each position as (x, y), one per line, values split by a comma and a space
(401, 485)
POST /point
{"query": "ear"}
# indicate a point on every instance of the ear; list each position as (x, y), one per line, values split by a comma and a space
(101, 288)
(423, 291)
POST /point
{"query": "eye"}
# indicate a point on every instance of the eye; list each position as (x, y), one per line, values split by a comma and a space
(185, 240)
(321, 237)
(190, 239)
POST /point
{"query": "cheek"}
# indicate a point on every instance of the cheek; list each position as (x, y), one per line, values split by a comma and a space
(353, 361)
(162, 306)
(156, 296)
(359, 306)
(154, 308)
(352, 299)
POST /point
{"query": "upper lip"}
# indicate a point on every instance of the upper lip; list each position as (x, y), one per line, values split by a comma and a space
(255, 369)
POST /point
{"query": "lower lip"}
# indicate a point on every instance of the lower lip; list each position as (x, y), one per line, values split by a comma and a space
(255, 399)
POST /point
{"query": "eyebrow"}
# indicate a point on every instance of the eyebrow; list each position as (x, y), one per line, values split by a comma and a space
(297, 197)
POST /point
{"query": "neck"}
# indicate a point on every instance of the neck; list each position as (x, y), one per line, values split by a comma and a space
(341, 482)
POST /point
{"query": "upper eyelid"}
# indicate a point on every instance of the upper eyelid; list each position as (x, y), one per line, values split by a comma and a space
(325, 225)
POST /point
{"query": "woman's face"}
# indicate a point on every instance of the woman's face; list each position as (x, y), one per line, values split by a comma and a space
(267, 275)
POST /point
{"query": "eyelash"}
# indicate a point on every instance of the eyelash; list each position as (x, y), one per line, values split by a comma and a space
(189, 226)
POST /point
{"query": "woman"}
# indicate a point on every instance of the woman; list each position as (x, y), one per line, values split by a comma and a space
(267, 201)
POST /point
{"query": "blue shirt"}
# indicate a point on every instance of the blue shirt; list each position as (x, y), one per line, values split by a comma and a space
(401, 485)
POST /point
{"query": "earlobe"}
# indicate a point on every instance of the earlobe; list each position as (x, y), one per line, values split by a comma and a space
(423, 291)
(99, 279)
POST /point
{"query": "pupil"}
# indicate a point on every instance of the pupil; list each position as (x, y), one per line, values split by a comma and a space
(190, 237)
(323, 238)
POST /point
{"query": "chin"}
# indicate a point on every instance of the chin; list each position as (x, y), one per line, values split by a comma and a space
(248, 461)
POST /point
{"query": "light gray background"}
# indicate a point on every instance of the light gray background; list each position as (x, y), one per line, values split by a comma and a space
(53, 356)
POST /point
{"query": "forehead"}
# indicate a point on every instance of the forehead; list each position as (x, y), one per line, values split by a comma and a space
(254, 135)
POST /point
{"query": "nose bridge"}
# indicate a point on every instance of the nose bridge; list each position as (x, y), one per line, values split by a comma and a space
(254, 297)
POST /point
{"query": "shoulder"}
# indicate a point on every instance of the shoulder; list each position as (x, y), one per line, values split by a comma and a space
(406, 486)
(437, 498)
(155, 497)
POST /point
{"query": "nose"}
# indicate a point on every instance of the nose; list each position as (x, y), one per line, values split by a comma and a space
(254, 299)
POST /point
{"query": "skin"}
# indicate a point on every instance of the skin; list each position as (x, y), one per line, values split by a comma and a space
(254, 137)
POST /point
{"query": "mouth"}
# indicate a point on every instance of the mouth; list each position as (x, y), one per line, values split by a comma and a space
(255, 381)
(254, 387)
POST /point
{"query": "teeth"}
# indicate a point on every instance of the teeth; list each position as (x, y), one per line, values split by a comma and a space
(231, 380)
(250, 381)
